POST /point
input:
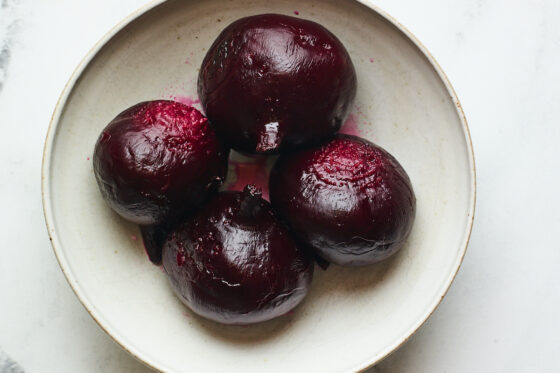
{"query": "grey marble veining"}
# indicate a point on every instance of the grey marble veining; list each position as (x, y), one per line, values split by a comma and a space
(9, 24)
(8, 365)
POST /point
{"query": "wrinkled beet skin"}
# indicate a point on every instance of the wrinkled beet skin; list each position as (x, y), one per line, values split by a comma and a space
(269, 69)
(348, 199)
(235, 263)
(158, 159)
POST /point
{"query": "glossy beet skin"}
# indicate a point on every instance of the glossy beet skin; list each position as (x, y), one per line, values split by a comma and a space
(158, 160)
(348, 199)
(235, 263)
(270, 82)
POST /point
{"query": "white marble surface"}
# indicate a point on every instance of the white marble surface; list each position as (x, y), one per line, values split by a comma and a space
(500, 315)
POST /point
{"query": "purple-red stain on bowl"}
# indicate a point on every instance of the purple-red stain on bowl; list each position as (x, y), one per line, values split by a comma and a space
(254, 171)
(350, 127)
(186, 100)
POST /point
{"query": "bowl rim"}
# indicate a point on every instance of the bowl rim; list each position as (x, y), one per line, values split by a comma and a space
(48, 208)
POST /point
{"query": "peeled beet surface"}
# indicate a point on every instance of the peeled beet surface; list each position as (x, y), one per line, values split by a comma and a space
(270, 82)
(235, 263)
(158, 160)
(348, 199)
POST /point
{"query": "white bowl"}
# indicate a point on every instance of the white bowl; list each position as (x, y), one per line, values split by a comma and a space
(352, 318)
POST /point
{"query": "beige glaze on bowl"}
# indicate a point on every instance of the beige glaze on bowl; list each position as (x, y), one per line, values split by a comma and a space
(352, 318)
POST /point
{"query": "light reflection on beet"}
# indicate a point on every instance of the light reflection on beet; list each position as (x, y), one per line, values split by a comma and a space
(271, 82)
(348, 199)
(235, 263)
(158, 160)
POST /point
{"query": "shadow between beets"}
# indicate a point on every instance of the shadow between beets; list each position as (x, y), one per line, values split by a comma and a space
(355, 281)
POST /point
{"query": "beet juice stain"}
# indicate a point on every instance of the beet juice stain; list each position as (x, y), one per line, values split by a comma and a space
(254, 170)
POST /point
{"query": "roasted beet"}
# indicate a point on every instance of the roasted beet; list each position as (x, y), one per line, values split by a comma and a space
(349, 199)
(235, 263)
(158, 159)
(271, 81)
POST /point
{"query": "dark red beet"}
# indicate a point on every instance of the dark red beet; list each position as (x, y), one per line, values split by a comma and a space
(271, 81)
(349, 199)
(158, 159)
(235, 263)
(153, 237)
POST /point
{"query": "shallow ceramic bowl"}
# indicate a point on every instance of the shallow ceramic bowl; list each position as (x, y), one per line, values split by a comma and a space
(352, 318)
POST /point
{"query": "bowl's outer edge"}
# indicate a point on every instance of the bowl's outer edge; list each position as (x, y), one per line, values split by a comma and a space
(45, 174)
(47, 208)
(472, 165)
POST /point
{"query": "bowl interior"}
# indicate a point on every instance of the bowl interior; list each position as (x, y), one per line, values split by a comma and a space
(352, 317)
